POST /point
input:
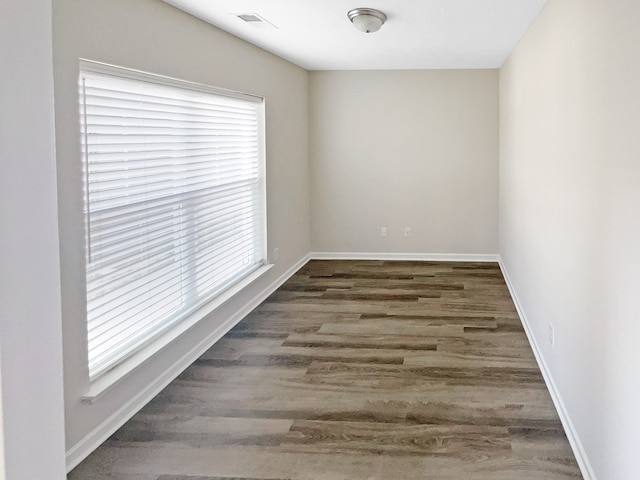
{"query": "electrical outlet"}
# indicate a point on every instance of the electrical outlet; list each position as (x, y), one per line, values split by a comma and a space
(407, 232)
(551, 335)
(276, 255)
(383, 231)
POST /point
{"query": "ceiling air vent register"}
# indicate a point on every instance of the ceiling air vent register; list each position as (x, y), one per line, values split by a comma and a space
(255, 20)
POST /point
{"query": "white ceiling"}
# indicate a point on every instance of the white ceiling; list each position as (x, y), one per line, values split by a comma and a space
(419, 34)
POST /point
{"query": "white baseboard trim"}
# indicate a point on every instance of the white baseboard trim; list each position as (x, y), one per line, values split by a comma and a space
(574, 439)
(98, 435)
(417, 257)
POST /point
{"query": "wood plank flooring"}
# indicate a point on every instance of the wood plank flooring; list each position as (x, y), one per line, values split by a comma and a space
(356, 370)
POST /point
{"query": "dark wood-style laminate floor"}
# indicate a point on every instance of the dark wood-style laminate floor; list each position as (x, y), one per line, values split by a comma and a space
(356, 370)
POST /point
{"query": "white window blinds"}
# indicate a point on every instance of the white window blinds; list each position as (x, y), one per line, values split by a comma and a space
(174, 202)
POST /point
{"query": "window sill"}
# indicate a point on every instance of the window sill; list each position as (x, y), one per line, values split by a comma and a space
(105, 382)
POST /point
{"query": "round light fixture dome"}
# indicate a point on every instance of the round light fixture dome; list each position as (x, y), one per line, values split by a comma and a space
(367, 19)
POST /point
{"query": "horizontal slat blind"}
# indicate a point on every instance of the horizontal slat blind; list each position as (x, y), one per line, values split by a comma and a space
(174, 203)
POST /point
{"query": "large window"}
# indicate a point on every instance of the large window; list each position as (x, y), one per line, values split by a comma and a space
(174, 202)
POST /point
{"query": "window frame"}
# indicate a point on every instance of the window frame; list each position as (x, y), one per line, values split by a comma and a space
(103, 380)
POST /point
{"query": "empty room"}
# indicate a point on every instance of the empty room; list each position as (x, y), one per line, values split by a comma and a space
(271, 240)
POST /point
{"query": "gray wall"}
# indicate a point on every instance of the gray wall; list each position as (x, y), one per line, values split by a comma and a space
(569, 213)
(153, 36)
(30, 322)
(404, 148)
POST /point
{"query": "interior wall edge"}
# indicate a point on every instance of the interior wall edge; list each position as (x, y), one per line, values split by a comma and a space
(104, 430)
(574, 439)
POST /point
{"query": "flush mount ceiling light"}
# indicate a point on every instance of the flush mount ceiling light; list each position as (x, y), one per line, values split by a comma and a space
(367, 19)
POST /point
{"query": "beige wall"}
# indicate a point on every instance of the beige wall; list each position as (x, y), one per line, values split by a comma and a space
(569, 214)
(153, 36)
(404, 148)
